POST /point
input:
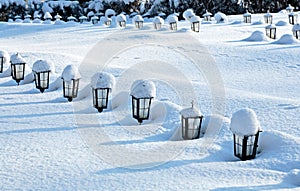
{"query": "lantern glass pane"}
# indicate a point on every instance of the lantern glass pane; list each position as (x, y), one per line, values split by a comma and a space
(238, 145)
(76, 86)
(1, 64)
(144, 108)
(193, 127)
(42, 79)
(135, 107)
(250, 145)
(101, 98)
(68, 88)
(19, 71)
(173, 26)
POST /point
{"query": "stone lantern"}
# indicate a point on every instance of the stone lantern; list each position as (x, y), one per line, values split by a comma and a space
(268, 18)
(191, 120)
(41, 70)
(102, 84)
(142, 94)
(207, 16)
(293, 18)
(296, 30)
(195, 23)
(17, 67)
(121, 20)
(138, 21)
(158, 22)
(71, 79)
(247, 17)
(271, 31)
(245, 128)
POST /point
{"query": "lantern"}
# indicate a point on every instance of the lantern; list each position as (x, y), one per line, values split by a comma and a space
(1, 63)
(142, 93)
(121, 20)
(71, 79)
(289, 8)
(271, 31)
(245, 128)
(207, 16)
(296, 30)
(293, 17)
(157, 22)
(4, 58)
(95, 19)
(172, 20)
(191, 120)
(71, 19)
(138, 21)
(17, 67)
(247, 17)
(102, 84)
(195, 23)
(268, 18)
(41, 70)
(107, 21)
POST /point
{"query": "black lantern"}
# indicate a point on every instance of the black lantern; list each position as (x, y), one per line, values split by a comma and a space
(173, 26)
(195, 23)
(245, 146)
(4, 57)
(83, 19)
(157, 22)
(107, 21)
(138, 21)
(17, 67)
(122, 23)
(95, 19)
(207, 16)
(121, 20)
(271, 31)
(102, 84)
(1, 63)
(191, 120)
(71, 79)
(142, 93)
(41, 70)
(247, 17)
(245, 128)
(139, 24)
(296, 30)
(268, 18)
(157, 26)
(293, 18)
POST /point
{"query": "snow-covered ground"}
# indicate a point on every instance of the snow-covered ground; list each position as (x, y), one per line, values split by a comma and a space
(48, 143)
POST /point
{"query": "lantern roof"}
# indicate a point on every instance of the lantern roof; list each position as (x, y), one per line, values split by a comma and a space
(17, 59)
(244, 122)
(70, 72)
(195, 19)
(120, 18)
(289, 7)
(27, 16)
(42, 66)
(268, 14)
(172, 19)
(91, 13)
(296, 27)
(57, 16)
(95, 17)
(143, 89)
(207, 14)
(82, 17)
(71, 18)
(47, 16)
(271, 26)
(137, 18)
(158, 20)
(191, 112)
(103, 80)
(247, 13)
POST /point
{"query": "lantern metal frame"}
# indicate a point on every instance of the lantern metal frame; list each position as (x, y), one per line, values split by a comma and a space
(268, 19)
(195, 26)
(293, 18)
(41, 80)
(157, 26)
(107, 22)
(247, 18)
(296, 34)
(173, 26)
(100, 102)
(94, 21)
(138, 112)
(207, 18)
(187, 130)
(70, 89)
(1, 63)
(271, 32)
(139, 24)
(18, 71)
(245, 147)
(122, 23)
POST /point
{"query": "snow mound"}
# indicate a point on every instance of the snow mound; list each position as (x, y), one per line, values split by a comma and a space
(221, 17)
(70, 72)
(42, 66)
(5, 56)
(103, 80)
(293, 177)
(59, 22)
(143, 89)
(296, 27)
(244, 122)
(188, 14)
(258, 23)
(286, 39)
(195, 19)
(256, 36)
(47, 22)
(236, 22)
(281, 23)
(109, 13)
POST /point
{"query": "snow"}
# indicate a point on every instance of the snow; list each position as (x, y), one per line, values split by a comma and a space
(6, 58)
(190, 112)
(57, 17)
(70, 72)
(287, 39)
(47, 15)
(120, 18)
(281, 23)
(143, 89)
(188, 14)
(48, 143)
(103, 80)
(247, 14)
(207, 14)
(256, 36)
(42, 66)
(158, 20)
(109, 13)
(220, 17)
(244, 122)
(296, 27)
(271, 26)
(137, 18)
(17, 59)
(195, 19)
(172, 19)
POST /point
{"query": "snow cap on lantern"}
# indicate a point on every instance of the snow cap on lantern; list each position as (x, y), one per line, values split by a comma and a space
(158, 20)
(4, 54)
(188, 14)
(109, 13)
(70, 72)
(207, 16)
(190, 112)
(103, 80)
(244, 122)
(143, 89)
(290, 8)
(172, 19)
(195, 19)
(16, 59)
(42, 65)
(47, 16)
(57, 17)
(120, 18)
(137, 18)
